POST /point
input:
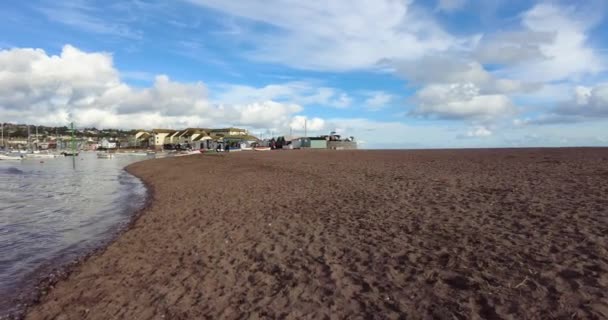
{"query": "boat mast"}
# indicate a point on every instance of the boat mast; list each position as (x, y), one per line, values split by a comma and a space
(2, 124)
(73, 140)
(29, 138)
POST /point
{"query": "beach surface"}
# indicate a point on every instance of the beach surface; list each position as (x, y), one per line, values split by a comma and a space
(443, 234)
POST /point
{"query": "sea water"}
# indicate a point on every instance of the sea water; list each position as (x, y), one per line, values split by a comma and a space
(53, 210)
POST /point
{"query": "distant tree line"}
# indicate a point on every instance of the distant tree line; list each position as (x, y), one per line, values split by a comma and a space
(20, 130)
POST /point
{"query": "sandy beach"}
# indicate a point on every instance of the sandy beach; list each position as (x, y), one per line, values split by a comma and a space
(444, 234)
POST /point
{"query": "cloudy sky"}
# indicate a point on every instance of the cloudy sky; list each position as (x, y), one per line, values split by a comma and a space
(393, 73)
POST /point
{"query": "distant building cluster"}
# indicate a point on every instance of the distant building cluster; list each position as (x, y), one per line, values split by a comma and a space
(192, 138)
(203, 138)
(30, 137)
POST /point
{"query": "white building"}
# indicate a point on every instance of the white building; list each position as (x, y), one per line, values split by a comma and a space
(107, 144)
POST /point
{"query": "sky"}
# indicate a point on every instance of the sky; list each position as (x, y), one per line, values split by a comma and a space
(391, 73)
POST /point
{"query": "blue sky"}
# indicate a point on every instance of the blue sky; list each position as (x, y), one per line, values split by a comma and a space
(393, 73)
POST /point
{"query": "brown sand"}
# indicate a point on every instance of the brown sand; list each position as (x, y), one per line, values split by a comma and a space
(520, 234)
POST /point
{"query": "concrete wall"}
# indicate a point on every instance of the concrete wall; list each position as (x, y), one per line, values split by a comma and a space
(341, 145)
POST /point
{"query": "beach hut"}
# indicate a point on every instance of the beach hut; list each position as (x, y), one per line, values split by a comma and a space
(309, 143)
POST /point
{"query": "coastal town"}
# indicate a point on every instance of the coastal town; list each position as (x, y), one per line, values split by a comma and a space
(23, 138)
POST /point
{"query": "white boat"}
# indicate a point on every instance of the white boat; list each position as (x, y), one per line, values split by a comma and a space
(40, 155)
(187, 153)
(262, 149)
(103, 155)
(7, 157)
(246, 148)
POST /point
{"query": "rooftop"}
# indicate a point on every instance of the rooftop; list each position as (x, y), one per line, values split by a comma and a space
(162, 131)
(227, 129)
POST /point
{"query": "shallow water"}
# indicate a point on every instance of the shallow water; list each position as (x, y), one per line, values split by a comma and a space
(54, 210)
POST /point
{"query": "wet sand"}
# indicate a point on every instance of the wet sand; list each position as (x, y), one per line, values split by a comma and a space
(445, 234)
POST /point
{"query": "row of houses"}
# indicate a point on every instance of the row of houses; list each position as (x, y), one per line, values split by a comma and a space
(195, 138)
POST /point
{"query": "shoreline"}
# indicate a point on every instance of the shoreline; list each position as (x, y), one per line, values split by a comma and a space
(195, 254)
(52, 272)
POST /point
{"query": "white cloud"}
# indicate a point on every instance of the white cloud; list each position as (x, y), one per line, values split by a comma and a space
(378, 100)
(515, 47)
(586, 102)
(337, 35)
(450, 70)
(300, 92)
(461, 89)
(461, 101)
(85, 87)
(450, 5)
(311, 125)
(479, 132)
(267, 114)
(568, 56)
(84, 17)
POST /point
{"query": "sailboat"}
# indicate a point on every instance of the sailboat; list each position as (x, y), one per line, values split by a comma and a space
(3, 144)
(7, 156)
(73, 152)
(36, 154)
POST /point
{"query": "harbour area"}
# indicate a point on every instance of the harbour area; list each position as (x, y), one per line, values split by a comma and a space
(450, 234)
(56, 210)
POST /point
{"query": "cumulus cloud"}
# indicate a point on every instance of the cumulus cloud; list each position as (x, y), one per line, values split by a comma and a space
(559, 36)
(36, 87)
(586, 102)
(460, 88)
(461, 101)
(514, 47)
(337, 35)
(301, 123)
(300, 92)
(479, 132)
(378, 100)
(475, 78)
(451, 70)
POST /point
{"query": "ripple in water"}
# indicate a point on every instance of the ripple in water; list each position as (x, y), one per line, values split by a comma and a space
(51, 212)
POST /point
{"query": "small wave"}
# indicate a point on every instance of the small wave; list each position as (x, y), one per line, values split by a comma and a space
(11, 170)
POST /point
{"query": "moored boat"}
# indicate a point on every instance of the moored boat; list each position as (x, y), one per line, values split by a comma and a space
(105, 155)
(40, 155)
(69, 153)
(262, 149)
(7, 157)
